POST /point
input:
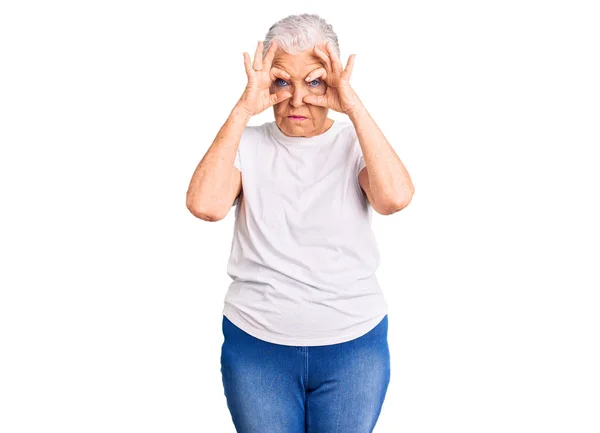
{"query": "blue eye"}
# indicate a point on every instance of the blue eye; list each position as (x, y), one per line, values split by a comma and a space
(280, 83)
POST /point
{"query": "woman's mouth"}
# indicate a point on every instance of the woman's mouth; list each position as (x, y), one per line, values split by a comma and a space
(296, 117)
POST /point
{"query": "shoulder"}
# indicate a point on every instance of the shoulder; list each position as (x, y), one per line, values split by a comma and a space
(346, 130)
(255, 131)
(347, 135)
(353, 145)
(345, 126)
(253, 134)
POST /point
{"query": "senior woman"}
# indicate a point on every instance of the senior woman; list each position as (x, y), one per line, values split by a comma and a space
(304, 319)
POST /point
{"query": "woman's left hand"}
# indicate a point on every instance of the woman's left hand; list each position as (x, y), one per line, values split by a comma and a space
(339, 95)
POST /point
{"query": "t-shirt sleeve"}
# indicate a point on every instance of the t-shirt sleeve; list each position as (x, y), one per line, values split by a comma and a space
(245, 142)
(359, 164)
(236, 163)
(359, 160)
(246, 139)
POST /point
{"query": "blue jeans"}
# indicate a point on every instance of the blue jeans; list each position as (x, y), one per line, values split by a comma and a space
(273, 388)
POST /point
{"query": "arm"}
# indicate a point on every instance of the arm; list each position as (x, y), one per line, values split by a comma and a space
(216, 182)
(384, 180)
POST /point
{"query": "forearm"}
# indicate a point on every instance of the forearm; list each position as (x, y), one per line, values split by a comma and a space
(389, 181)
(211, 179)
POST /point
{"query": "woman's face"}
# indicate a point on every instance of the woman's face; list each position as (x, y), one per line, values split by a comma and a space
(315, 118)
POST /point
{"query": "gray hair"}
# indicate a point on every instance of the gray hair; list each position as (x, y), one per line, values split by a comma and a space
(297, 33)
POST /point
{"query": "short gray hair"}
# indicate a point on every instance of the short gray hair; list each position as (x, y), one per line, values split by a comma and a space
(297, 33)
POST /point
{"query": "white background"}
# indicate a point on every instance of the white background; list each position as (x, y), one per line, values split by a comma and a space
(111, 291)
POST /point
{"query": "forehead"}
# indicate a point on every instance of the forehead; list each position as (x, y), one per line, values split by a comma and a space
(298, 64)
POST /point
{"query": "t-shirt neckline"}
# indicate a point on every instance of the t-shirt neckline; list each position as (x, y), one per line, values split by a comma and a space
(303, 141)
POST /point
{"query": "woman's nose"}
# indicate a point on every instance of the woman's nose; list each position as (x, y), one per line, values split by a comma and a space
(297, 96)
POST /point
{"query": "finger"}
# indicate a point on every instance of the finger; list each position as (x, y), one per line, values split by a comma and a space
(249, 71)
(258, 56)
(320, 101)
(350, 65)
(323, 57)
(335, 61)
(270, 54)
(278, 97)
(275, 73)
(317, 73)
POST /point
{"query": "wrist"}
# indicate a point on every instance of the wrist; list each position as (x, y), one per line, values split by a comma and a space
(356, 111)
(240, 111)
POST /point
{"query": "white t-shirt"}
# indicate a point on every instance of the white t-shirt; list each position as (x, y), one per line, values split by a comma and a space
(303, 255)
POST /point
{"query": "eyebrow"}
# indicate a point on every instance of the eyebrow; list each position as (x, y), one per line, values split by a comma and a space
(317, 66)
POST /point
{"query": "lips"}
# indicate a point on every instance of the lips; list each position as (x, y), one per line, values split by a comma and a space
(297, 117)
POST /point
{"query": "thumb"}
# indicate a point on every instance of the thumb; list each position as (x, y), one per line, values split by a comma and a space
(276, 98)
(314, 100)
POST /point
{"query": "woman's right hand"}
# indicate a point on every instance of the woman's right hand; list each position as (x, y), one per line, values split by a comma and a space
(257, 98)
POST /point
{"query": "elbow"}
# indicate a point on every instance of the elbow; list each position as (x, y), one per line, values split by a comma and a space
(205, 215)
(406, 200)
(202, 213)
(389, 209)
(396, 206)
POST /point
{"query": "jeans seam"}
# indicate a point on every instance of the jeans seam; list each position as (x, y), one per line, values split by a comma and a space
(306, 386)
